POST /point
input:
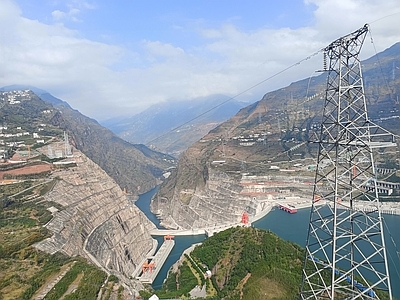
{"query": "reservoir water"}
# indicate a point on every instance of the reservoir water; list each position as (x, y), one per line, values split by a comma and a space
(181, 242)
(292, 227)
(144, 205)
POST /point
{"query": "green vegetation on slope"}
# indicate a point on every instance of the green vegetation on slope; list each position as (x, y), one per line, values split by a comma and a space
(246, 263)
(24, 269)
(270, 263)
(25, 272)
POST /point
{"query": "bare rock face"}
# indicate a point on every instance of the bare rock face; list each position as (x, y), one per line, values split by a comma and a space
(218, 202)
(267, 140)
(121, 242)
(97, 220)
(134, 167)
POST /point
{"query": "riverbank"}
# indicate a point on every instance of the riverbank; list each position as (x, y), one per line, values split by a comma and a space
(294, 227)
(291, 227)
(390, 208)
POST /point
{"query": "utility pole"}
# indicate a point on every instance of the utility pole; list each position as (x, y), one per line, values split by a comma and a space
(345, 249)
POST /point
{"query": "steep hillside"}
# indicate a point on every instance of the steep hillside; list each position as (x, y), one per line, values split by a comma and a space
(55, 200)
(96, 220)
(242, 263)
(262, 154)
(47, 97)
(129, 165)
(134, 167)
(153, 126)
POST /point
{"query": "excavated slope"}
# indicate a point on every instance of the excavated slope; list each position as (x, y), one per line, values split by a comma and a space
(97, 220)
(269, 138)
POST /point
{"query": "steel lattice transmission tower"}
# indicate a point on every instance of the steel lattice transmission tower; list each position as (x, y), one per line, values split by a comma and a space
(345, 249)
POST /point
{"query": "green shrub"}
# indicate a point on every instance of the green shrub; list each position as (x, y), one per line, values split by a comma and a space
(113, 278)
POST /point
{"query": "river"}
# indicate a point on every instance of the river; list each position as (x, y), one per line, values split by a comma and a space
(292, 227)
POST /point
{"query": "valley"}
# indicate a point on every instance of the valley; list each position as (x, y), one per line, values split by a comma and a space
(274, 137)
(56, 202)
(67, 186)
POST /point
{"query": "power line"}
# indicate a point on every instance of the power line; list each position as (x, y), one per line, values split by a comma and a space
(265, 80)
(379, 61)
(381, 68)
(396, 13)
(237, 95)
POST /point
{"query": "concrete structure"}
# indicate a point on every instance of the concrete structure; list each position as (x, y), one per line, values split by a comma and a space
(163, 232)
(148, 275)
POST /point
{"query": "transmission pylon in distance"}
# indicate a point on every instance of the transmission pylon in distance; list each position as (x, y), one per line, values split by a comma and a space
(345, 248)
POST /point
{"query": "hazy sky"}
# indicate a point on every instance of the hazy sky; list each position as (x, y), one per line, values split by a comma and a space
(109, 58)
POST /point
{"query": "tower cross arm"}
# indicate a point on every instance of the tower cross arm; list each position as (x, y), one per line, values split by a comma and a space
(351, 38)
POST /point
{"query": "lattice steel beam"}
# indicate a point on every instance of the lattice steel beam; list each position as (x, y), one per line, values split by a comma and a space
(345, 249)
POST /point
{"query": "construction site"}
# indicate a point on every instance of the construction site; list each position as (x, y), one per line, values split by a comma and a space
(152, 264)
(92, 217)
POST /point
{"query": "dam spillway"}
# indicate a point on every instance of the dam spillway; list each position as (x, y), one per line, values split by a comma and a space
(153, 264)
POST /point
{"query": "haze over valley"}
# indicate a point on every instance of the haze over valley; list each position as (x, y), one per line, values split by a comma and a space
(214, 114)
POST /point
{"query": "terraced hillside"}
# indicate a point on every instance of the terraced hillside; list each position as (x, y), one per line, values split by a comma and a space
(64, 221)
(272, 137)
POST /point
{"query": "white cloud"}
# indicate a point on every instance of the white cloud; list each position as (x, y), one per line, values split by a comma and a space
(343, 16)
(59, 15)
(158, 49)
(53, 57)
(8, 10)
(86, 5)
(103, 80)
(74, 8)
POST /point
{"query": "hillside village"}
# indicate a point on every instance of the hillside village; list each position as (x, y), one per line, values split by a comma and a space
(43, 152)
(45, 185)
(20, 133)
(243, 167)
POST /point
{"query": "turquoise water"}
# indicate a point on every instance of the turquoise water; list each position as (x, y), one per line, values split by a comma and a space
(181, 243)
(144, 205)
(292, 227)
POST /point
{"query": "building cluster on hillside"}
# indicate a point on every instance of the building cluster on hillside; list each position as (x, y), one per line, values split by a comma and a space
(251, 139)
(13, 138)
(14, 134)
(245, 140)
(15, 97)
(261, 137)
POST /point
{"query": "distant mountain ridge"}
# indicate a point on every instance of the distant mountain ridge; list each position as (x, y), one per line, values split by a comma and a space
(44, 95)
(134, 167)
(154, 126)
(274, 130)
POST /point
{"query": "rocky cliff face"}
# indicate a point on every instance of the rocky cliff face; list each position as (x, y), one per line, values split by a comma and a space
(92, 216)
(96, 220)
(266, 140)
(134, 167)
(217, 202)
